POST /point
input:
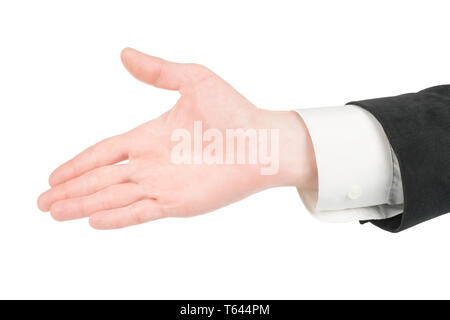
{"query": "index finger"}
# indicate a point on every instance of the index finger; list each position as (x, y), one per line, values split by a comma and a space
(106, 152)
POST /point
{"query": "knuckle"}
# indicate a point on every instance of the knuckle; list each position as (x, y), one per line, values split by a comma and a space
(63, 191)
(105, 201)
(73, 168)
(57, 214)
(137, 213)
(85, 206)
(92, 156)
(92, 179)
(199, 70)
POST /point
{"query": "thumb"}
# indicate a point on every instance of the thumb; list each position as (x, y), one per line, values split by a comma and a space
(161, 73)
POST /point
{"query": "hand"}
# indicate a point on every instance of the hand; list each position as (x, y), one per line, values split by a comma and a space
(151, 186)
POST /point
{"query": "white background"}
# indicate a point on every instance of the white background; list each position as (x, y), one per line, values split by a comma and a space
(63, 88)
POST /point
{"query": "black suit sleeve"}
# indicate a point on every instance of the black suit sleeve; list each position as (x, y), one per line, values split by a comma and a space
(418, 128)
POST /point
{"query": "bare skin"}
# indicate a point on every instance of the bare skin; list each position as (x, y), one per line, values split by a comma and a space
(150, 186)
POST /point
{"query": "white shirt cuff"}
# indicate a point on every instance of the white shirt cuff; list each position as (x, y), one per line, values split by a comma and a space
(358, 173)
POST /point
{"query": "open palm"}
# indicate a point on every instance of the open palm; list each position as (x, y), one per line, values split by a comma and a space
(150, 185)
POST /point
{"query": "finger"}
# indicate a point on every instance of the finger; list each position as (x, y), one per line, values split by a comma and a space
(115, 196)
(136, 213)
(108, 151)
(86, 184)
(161, 73)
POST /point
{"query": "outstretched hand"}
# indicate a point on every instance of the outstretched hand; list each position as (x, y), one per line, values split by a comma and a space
(151, 185)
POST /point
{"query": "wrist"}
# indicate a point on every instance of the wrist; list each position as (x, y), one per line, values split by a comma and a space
(297, 163)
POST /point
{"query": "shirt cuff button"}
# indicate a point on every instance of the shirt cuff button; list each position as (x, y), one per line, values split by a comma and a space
(354, 193)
